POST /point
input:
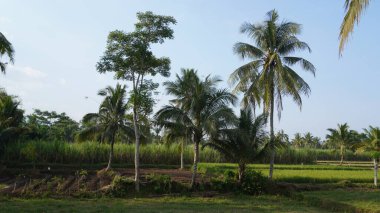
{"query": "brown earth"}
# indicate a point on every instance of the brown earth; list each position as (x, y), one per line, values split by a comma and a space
(25, 182)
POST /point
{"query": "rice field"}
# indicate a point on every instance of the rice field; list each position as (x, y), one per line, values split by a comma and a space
(302, 173)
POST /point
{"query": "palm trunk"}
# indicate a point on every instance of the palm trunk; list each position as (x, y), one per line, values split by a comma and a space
(111, 155)
(195, 164)
(273, 153)
(241, 172)
(137, 150)
(182, 150)
(341, 155)
(375, 168)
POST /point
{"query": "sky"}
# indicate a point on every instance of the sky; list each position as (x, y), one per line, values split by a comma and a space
(58, 43)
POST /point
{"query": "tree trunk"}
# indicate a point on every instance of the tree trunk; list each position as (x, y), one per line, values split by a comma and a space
(182, 150)
(273, 152)
(341, 155)
(111, 155)
(241, 172)
(195, 164)
(375, 168)
(137, 150)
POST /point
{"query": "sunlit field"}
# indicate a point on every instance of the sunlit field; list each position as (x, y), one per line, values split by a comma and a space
(189, 106)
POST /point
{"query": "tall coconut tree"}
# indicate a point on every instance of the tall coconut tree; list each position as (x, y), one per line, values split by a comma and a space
(371, 144)
(354, 9)
(341, 138)
(198, 106)
(242, 144)
(6, 49)
(110, 121)
(268, 77)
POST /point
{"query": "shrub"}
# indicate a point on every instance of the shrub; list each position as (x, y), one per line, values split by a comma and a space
(225, 182)
(121, 186)
(254, 183)
(159, 183)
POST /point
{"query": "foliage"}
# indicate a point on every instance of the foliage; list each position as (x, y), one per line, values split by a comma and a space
(110, 121)
(11, 117)
(6, 48)
(159, 183)
(200, 108)
(306, 141)
(121, 186)
(47, 125)
(254, 183)
(342, 138)
(268, 77)
(371, 142)
(242, 144)
(354, 9)
(94, 153)
(129, 56)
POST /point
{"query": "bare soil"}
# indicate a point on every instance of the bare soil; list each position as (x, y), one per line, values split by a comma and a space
(25, 182)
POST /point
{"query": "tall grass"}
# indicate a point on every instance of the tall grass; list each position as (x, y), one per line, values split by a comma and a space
(307, 156)
(93, 152)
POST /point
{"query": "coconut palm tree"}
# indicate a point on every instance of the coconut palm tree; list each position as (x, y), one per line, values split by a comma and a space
(298, 141)
(6, 49)
(371, 144)
(181, 133)
(242, 144)
(341, 138)
(198, 107)
(110, 121)
(354, 9)
(268, 77)
(283, 137)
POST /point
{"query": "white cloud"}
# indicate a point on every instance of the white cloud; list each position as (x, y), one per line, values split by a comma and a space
(62, 81)
(4, 20)
(33, 73)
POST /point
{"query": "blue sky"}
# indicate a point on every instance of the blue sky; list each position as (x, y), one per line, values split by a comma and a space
(58, 43)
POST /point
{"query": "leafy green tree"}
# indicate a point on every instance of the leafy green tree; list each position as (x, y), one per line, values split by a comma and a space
(51, 126)
(268, 77)
(242, 144)
(129, 55)
(341, 138)
(198, 107)
(354, 9)
(371, 143)
(11, 117)
(6, 48)
(110, 120)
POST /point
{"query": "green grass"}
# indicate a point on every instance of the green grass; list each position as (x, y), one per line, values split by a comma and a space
(2, 186)
(163, 204)
(364, 201)
(301, 173)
